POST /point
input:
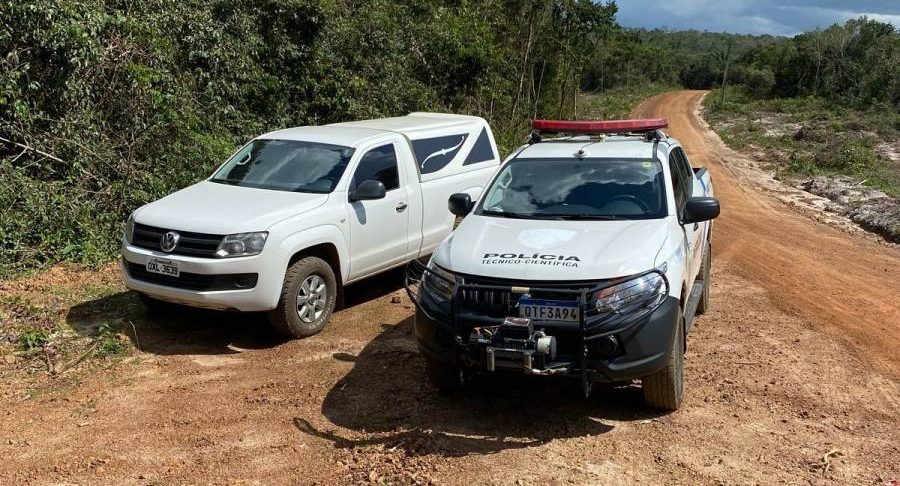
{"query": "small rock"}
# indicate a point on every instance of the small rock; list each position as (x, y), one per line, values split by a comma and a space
(395, 299)
(9, 359)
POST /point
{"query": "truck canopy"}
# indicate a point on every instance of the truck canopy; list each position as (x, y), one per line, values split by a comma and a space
(443, 144)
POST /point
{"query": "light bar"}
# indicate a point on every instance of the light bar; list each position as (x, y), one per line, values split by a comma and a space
(590, 127)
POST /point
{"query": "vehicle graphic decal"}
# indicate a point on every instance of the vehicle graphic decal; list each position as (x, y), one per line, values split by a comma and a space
(433, 154)
(482, 151)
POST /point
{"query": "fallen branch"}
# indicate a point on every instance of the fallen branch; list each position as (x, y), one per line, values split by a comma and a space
(26, 147)
(62, 369)
(137, 343)
(825, 464)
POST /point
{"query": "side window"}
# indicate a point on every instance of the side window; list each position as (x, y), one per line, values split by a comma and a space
(687, 172)
(378, 164)
(677, 181)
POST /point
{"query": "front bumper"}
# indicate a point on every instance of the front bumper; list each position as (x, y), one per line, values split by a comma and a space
(616, 350)
(263, 296)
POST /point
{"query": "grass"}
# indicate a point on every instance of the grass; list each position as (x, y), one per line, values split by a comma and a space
(46, 334)
(31, 339)
(617, 103)
(810, 136)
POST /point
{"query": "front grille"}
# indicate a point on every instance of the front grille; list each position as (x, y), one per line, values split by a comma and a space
(502, 303)
(195, 281)
(189, 244)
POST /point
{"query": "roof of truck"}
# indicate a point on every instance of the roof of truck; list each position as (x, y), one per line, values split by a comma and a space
(414, 122)
(355, 133)
(615, 146)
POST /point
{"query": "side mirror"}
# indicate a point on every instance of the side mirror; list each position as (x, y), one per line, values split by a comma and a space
(368, 190)
(699, 209)
(460, 204)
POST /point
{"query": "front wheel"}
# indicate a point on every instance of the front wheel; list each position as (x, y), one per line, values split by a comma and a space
(307, 298)
(448, 379)
(665, 388)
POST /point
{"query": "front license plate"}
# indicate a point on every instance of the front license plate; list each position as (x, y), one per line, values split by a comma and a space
(163, 267)
(549, 310)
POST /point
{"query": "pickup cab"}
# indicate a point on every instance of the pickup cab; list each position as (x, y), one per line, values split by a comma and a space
(588, 255)
(295, 215)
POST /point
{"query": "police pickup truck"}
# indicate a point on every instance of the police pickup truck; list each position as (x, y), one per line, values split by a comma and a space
(296, 214)
(587, 255)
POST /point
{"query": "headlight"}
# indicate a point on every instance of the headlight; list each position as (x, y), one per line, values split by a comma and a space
(437, 286)
(129, 229)
(644, 292)
(242, 244)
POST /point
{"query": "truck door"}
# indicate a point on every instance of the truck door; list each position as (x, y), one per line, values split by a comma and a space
(683, 185)
(379, 228)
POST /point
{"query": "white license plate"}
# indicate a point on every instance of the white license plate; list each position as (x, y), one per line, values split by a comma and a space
(163, 267)
(549, 310)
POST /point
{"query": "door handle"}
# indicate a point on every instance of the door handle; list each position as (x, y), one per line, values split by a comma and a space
(401, 207)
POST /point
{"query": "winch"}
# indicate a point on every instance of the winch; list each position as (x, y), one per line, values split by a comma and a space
(515, 344)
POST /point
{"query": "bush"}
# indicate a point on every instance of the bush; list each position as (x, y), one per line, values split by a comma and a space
(848, 154)
(30, 339)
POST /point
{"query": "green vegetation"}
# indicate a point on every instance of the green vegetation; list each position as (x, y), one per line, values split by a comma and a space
(105, 106)
(811, 136)
(824, 103)
(30, 339)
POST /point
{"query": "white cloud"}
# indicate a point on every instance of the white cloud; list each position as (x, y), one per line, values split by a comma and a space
(753, 17)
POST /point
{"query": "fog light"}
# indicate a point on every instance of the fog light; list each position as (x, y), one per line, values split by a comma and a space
(607, 347)
(245, 281)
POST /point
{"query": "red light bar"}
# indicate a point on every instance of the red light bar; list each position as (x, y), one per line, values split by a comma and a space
(589, 127)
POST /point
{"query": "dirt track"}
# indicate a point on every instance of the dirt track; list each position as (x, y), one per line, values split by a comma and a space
(797, 358)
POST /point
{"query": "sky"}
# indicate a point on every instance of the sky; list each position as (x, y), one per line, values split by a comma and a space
(786, 17)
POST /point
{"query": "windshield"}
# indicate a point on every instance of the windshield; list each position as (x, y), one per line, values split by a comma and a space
(286, 165)
(577, 189)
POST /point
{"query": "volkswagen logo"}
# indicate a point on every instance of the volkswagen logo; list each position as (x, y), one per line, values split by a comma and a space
(169, 241)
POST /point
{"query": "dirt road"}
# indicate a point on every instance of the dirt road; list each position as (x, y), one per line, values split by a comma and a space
(792, 377)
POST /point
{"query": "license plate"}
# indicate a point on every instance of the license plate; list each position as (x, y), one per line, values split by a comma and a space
(549, 310)
(163, 267)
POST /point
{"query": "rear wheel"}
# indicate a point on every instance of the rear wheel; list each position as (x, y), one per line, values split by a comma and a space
(706, 275)
(307, 298)
(448, 379)
(665, 388)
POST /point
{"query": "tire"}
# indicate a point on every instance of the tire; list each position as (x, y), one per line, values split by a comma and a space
(307, 299)
(448, 379)
(706, 275)
(665, 388)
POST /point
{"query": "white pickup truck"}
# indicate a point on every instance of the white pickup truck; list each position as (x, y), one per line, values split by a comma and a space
(588, 255)
(296, 214)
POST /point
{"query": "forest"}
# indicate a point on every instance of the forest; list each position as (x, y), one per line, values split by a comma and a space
(106, 105)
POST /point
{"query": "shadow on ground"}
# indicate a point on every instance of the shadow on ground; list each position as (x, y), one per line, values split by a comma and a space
(174, 329)
(386, 400)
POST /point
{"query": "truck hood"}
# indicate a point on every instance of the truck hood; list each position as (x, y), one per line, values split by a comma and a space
(552, 250)
(209, 207)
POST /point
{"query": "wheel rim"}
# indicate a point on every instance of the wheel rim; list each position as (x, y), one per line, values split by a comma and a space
(312, 296)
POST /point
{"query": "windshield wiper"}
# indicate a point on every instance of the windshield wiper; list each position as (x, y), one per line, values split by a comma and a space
(588, 216)
(504, 214)
(226, 181)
